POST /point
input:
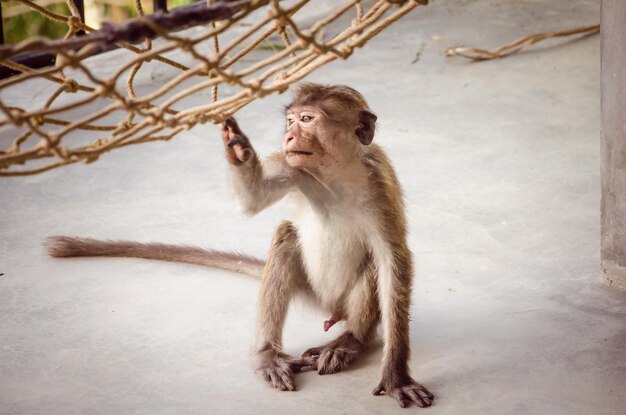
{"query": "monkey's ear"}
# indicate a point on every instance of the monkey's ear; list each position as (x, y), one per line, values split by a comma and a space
(366, 127)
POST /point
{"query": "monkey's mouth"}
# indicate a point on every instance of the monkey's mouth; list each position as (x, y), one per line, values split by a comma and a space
(299, 153)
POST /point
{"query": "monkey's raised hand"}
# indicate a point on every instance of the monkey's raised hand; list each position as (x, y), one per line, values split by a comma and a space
(405, 391)
(236, 143)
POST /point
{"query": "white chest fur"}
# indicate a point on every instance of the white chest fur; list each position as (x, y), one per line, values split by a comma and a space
(333, 247)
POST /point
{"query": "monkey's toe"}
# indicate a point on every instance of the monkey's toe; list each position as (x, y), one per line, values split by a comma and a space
(411, 392)
(279, 378)
(333, 360)
(313, 351)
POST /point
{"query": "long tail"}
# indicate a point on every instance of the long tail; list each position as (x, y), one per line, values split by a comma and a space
(65, 246)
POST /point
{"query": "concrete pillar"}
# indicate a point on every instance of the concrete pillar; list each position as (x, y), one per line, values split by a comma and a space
(613, 144)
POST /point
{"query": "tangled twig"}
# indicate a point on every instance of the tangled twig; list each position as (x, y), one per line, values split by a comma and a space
(517, 46)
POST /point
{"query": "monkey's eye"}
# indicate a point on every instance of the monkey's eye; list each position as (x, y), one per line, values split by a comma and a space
(290, 121)
(306, 118)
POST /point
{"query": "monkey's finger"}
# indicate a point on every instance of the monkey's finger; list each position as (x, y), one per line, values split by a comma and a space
(231, 129)
(298, 363)
(237, 140)
(425, 392)
(243, 154)
(313, 351)
(272, 377)
(403, 402)
(309, 360)
(287, 380)
(417, 399)
(226, 131)
(241, 147)
(323, 362)
(231, 124)
(240, 144)
(276, 381)
(400, 397)
(327, 363)
(225, 134)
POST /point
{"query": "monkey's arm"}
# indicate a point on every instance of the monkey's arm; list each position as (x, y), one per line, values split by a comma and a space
(256, 185)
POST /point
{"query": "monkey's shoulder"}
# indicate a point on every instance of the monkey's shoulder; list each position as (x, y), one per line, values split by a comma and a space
(382, 174)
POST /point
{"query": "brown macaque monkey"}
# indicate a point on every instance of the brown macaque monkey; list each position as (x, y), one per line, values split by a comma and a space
(346, 246)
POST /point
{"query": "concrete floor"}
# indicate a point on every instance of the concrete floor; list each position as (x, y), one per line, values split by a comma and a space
(500, 166)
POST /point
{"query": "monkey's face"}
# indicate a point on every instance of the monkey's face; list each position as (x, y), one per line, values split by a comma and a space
(314, 141)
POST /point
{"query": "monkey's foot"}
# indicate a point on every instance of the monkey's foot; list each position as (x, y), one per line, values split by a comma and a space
(278, 368)
(336, 355)
(406, 392)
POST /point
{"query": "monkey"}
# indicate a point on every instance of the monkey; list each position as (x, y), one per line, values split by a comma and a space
(345, 247)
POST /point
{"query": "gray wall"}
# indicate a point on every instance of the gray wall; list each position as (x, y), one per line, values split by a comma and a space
(614, 141)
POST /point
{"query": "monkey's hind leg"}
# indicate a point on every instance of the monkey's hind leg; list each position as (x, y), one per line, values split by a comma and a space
(282, 278)
(362, 317)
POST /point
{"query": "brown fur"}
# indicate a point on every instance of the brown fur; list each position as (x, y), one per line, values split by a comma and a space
(341, 105)
(65, 246)
(344, 109)
(339, 102)
(326, 157)
(391, 210)
(282, 277)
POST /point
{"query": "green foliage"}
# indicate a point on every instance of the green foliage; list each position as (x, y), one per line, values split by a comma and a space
(32, 24)
(177, 3)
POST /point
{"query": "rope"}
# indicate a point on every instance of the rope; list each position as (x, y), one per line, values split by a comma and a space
(42, 140)
(216, 48)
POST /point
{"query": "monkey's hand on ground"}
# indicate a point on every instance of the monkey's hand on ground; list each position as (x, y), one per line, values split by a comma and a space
(405, 391)
(236, 143)
(278, 368)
